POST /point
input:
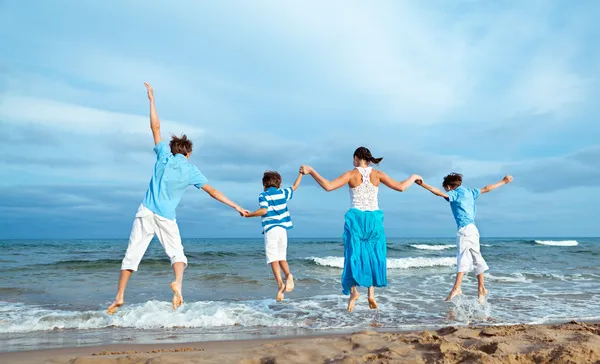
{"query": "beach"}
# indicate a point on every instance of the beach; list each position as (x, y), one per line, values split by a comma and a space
(574, 342)
(54, 293)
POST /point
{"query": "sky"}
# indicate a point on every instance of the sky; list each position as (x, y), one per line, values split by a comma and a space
(480, 87)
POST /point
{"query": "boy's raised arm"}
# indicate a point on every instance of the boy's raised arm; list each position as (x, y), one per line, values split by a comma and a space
(395, 185)
(506, 180)
(219, 196)
(298, 180)
(435, 191)
(154, 121)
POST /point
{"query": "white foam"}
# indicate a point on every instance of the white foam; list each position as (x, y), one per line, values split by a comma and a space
(432, 247)
(149, 315)
(468, 310)
(392, 263)
(557, 242)
(514, 278)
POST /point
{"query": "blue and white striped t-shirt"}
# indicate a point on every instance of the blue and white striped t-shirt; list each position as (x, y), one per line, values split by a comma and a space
(275, 201)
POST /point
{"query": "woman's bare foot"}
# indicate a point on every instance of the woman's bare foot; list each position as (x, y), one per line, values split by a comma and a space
(352, 300)
(177, 297)
(289, 283)
(280, 291)
(453, 293)
(114, 307)
(482, 293)
(373, 303)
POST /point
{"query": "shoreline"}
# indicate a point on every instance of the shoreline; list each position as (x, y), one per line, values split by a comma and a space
(523, 343)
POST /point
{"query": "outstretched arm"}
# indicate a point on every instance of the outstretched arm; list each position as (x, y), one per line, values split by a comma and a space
(506, 180)
(435, 191)
(154, 121)
(219, 196)
(395, 185)
(297, 181)
(324, 183)
(260, 212)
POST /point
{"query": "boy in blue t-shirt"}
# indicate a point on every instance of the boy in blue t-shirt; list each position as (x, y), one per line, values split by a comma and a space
(276, 221)
(156, 214)
(462, 202)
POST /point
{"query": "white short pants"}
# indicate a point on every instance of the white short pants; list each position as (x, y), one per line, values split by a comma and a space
(145, 226)
(468, 257)
(276, 244)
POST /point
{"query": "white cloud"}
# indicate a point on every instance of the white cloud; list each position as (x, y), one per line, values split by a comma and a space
(75, 118)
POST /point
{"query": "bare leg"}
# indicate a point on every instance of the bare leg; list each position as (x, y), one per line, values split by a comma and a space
(481, 291)
(352, 300)
(372, 302)
(456, 290)
(177, 284)
(119, 300)
(277, 273)
(289, 279)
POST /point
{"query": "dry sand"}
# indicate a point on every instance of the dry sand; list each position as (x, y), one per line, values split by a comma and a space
(565, 343)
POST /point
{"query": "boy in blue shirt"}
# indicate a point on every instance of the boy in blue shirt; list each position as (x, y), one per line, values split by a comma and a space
(462, 202)
(156, 215)
(276, 221)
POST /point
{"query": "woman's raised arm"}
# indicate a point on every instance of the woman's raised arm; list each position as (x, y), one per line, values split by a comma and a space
(395, 185)
(324, 183)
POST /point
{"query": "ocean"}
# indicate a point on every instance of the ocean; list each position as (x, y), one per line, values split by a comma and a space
(54, 293)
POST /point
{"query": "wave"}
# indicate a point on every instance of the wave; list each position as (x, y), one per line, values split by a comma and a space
(433, 247)
(513, 278)
(149, 315)
(392, 263)
(557, 242)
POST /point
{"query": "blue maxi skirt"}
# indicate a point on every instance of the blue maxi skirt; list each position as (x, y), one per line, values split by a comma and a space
(365, 250)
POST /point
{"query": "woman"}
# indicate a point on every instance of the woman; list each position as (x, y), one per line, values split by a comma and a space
(364, 238)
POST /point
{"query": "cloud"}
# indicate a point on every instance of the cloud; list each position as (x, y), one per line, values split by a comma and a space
(579, 169)
(85, 120)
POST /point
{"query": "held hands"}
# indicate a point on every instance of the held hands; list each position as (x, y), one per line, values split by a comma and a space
(507, 179)
(150, 91)
(305, 169)
(242, 212)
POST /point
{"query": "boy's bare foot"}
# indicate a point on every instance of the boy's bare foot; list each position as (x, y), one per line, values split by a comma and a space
(114, 307)
(280, 291)
(177, 297)
(352, 300)
(453, 294)
(482, 293)
(373, 303)
(289, 283)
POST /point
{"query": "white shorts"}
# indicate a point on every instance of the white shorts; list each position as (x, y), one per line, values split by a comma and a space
(276, 244)
(145, 226)
(468, 257)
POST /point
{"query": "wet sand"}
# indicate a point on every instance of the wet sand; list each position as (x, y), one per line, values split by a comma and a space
(573, 342)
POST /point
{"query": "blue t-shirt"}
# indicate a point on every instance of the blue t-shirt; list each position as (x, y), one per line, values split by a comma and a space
(275, 201)
(462, 202)
(172, 175)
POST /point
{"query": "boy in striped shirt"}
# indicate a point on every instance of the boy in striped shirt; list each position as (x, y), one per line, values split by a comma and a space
(276, 221)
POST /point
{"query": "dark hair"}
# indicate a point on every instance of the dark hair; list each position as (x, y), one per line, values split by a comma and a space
(181, 145)
(271, 179)
(364, 154)
(453, 180)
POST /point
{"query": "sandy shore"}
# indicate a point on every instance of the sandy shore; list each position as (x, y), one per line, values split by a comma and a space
(565, 343)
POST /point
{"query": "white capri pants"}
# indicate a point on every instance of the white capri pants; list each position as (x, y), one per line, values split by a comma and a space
(468, 257)
(145, 226)
(276, 244)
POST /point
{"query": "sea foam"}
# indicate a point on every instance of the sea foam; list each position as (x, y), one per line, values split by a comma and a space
(557, 242)
(392, 263)
(433, 247)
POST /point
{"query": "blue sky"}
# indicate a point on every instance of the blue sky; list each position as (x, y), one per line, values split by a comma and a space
(483, 88)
